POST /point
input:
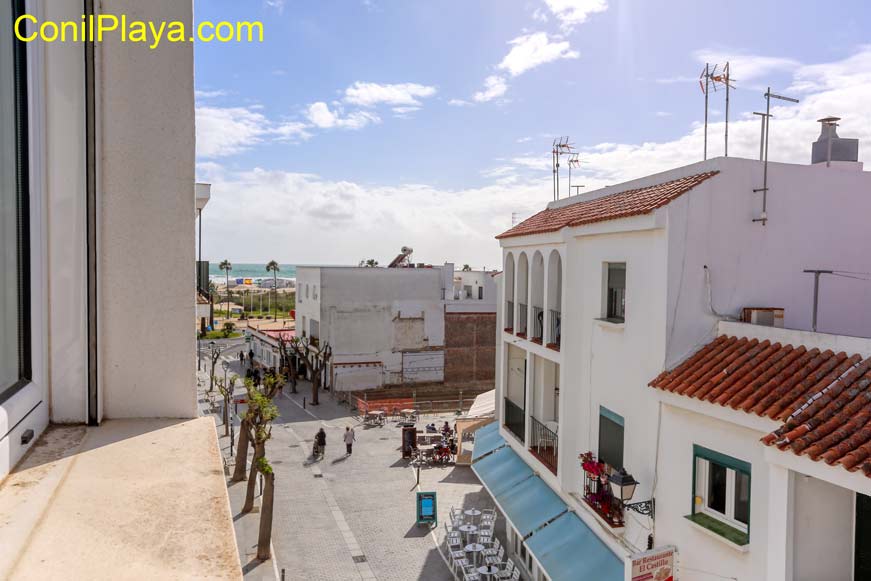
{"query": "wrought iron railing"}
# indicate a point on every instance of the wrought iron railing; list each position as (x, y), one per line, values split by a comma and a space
(544, 444)
(509, 316)
(515, 419)
(537, 324)
(555, 325)
(597, 492)
(521, 319)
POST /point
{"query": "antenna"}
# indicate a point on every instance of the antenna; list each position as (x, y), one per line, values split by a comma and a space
(574, 162)
(763, 147)
(561, 146)
(713, 79)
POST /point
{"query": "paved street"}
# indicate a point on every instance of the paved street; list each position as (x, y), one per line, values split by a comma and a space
(351, 517)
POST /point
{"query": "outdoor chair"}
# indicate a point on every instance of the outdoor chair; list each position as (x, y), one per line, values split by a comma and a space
(516, 575)
(507, 571)
(460, 565)
(457, 513)
(495, 559)
(458, 554)
(484, 539)
(493, 549)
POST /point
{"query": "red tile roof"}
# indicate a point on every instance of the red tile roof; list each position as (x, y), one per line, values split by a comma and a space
(823, 398)
(610, 207)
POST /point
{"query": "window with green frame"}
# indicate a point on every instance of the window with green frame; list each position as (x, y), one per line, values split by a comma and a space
(721, 494)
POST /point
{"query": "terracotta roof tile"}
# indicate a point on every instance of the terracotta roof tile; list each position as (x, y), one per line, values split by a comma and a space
(610, 207)
(822, 398)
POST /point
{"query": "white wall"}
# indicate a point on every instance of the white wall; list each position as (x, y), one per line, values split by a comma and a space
(823, 527)
(147, 211)
(816, 220)
(703, 556)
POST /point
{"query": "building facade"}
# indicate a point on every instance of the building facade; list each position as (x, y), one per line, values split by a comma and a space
(399, 325)
(97, 195)
(603, 292)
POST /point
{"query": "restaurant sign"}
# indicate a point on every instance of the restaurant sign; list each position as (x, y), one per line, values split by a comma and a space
(656, 565)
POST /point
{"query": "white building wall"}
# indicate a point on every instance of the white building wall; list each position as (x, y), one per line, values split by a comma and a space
(823, 526)
(704, 555)
(816, 220)
(147, 208)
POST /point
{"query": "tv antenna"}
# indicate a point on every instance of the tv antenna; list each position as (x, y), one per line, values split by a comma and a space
(710, 80)
(763, 150)
(575, 163)
(561, 146)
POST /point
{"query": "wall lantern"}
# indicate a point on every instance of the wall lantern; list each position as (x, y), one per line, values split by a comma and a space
(623, 488)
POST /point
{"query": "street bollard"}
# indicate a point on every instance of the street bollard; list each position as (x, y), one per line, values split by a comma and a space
(303, 403)
(282, 574)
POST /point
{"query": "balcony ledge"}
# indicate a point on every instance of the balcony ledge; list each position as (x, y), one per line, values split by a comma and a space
(141, 499)
(610, 325)
(713, 528)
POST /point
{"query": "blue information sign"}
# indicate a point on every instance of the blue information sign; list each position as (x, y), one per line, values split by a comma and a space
(427, 508)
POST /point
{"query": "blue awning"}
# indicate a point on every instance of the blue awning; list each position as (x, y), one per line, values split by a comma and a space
(568, 550)
(530, 504)
(487, 439)
(501, 471)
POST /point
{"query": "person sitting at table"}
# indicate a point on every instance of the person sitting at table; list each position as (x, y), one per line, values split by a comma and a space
(431, 428)
(446, 429)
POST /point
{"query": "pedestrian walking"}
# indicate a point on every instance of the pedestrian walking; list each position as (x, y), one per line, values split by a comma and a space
(251, 357)
(321, 440)
(349, 438)
(242, 357)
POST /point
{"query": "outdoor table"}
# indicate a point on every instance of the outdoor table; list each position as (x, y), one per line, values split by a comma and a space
(472, 512)
(408, 413)
(475, 549)
(489, 570)
(468, 530)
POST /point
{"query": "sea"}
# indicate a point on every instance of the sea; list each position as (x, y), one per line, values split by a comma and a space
(250, 270)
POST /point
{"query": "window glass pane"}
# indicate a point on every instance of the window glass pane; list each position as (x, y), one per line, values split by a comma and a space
(12, 271)
(610, 442)
(742, 497)
(616, 291)
(717, 487)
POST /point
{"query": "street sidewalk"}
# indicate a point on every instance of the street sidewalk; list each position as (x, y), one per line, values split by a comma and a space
(247, 525)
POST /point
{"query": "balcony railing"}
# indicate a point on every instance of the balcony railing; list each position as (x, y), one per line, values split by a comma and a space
(597, 492)
(509, 316)
(537, 325)
(544, 444)
(554, 330)
(521, 320)
(515, 419)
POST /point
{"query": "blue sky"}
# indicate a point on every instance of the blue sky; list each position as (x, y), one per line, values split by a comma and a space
(358, 126)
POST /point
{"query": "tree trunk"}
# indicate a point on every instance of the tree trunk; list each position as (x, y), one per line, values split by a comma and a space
(316, 376)
(264, 539)
(259, 452)
(226, 416)
(239, 473)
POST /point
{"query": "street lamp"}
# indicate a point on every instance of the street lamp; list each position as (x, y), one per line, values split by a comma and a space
(226, 365)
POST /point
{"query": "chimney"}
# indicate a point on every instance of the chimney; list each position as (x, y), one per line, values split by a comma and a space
(829, 149)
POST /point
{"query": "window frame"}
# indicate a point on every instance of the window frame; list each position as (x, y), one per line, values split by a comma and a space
(606, 299)
(617, 419)
(702, 460)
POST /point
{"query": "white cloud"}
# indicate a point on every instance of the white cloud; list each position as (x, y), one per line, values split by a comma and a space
(458, 103)
(277, 5)
(404, 112)
(747, 67)
(320, 115)
(531, 50)
(574, 12)
(494, 87)
(209, 94)
(223, 131)
(663, 114)
(401, 94)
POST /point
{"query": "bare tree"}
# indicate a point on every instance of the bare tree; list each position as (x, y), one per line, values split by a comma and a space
(271, 388)
(289, 371)
(264, 538)
(213, 356)
(316, 358)
(226, 390)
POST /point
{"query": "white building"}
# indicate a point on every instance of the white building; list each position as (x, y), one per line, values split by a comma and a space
(602, 292)
(97, 149)
(391, 326)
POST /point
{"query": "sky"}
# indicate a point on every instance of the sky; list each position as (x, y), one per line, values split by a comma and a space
(360, 126)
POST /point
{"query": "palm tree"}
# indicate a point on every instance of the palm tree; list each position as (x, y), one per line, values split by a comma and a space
(227, 267)
(272, 267)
